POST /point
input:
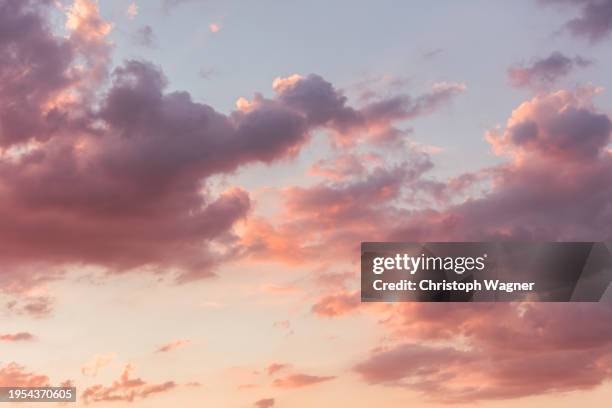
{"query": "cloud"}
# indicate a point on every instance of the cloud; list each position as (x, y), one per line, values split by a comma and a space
(299, 380)
(344, 166)
(21, 336)
(594, 21)
(265, 403)
(14, 375)
(35, 306)
(285, 326)
(125, 389)
(338, 212)
(172, 346)
(508, 351)
(214, 27)
(324, 105)
(337, 304)
(207, 73)
(97, 362)
(433, 53)
(557, 149)
(557, 164)
(544, 72)
(275, 368)
(557, 169)
(88, 38)
(169, 4)
(116, 174)
(133, 160)
(132, 10)
(144, 37)
(26, 36)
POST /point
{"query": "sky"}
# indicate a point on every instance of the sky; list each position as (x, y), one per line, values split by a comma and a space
(184, 186)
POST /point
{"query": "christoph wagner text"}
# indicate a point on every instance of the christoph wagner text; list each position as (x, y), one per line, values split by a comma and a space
(412, 264)
(429, 285)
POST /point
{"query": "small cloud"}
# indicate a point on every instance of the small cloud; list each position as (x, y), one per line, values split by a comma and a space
(337, 304)
(300, 380)
(265, 403)
(214, 27)
(21, 336)
(167, 5)
(37, 306)
(431, 54)
(144, 37)
(207, 73)
(193, 384)
(96, 363)
(132, 11)
(284, 325)
(15, 375)
(275, 368)
(542, 73)
(173, 345)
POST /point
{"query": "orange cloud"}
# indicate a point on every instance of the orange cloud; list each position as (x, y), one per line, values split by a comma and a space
(337, 304)
(14, 375)
(21, 336)
(265, 403)
(299, 380)
(275, 368)
(125, 389)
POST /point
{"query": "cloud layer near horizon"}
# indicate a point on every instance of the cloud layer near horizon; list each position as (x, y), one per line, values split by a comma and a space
(497, 351)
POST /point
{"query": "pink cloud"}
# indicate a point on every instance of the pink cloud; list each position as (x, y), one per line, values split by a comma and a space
(21, 336)
(344, 213)
(557, 167)
(125, 389)
(275, 368)
(14, 375)
(265, 403)
(544, 72)
(337, 304)
(172, 345)
(214, 27)
(340, 168)
(114, 175)
(509, 351)
(132, 10)
(299, 380)
(557, 149)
